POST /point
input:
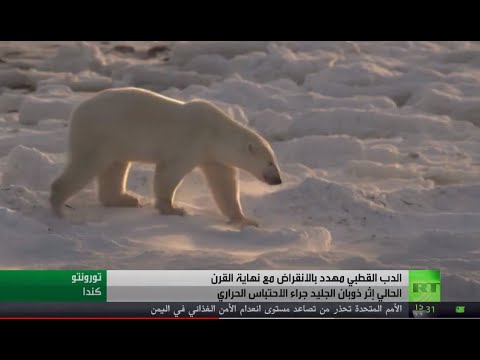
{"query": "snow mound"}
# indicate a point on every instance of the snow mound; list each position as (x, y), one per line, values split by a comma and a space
(271, 124)
(373, 124)
(87, 81)
(356, 74)
(75, 58)
(15, 78)
(266, 240)
(441, 243)
(185, 51)
(316, 151)
(10, 102)
(34, 109)
(316, 201)
(35, 242)
(375, 170)
(162, 77)
(28, 167)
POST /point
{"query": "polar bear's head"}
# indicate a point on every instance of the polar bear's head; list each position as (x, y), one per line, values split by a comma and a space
(236, 145)
(261, 161)
(249, 151)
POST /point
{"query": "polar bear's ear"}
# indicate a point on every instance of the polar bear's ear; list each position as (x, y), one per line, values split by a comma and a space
(251, 148)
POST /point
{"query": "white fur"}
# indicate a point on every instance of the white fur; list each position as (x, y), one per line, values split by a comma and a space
(118, 126)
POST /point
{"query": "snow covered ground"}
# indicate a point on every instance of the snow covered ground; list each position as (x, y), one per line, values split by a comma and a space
(378, 142)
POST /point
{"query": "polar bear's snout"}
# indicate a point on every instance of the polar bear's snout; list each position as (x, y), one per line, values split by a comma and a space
(272, 176)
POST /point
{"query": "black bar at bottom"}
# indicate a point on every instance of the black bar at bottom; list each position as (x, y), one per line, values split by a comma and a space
(238, 310)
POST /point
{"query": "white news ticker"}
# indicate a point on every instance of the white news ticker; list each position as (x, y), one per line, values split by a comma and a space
(397, 278)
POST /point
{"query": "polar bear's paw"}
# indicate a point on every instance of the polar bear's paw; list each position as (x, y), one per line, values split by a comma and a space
(126, 200)
(243, 222)
(167, 209)
(174, 211)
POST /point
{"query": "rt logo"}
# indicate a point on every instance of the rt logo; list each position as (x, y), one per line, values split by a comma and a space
(425, 287)
(425, 291)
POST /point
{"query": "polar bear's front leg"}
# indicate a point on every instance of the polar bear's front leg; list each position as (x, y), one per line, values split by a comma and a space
(166, 181)
(223, 183)
(111, 186)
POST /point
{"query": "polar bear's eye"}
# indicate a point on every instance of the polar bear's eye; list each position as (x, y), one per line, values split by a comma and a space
(270, 163)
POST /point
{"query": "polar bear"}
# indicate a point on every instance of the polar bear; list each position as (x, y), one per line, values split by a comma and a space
(118, 126)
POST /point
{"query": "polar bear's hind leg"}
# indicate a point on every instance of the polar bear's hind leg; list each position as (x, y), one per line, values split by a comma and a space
(166, 181)
(76, 176)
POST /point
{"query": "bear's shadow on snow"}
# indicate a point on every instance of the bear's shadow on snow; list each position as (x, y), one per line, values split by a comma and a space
(204, 230)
